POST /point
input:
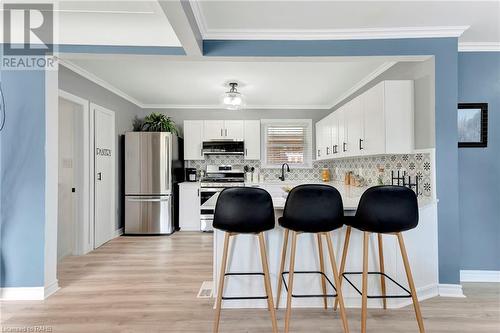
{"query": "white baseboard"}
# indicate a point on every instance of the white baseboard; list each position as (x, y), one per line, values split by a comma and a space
(479, 276)
(451, 290)
(118, 233)
(51, 288)
(22, 294)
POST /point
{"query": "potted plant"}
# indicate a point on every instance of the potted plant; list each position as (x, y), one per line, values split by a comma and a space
(157, 122)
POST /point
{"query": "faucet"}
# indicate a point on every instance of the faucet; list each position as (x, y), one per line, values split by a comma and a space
(282, 177)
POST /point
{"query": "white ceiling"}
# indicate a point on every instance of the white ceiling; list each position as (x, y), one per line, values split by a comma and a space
(128, 23)
(345, 19)
(172, 82)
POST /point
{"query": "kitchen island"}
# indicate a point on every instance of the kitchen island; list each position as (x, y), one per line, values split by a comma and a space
(421, 244)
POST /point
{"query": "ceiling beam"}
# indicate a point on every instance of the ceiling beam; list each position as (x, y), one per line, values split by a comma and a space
(181, 18)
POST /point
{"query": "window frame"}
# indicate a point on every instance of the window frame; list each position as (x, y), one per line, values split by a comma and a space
(308, 154)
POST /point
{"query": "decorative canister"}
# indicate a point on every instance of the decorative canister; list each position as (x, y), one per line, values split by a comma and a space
(325, 174)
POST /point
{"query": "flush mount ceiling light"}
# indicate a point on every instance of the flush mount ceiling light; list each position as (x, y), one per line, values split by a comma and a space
(233, 100)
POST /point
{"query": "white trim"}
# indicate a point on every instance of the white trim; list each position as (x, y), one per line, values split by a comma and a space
(118, 233)
(479, 47)
(51, 289)
(451, 290)
(367, 79)
(479, 276)
(85, 218)
(325, 34)
(22, 294)
(91, 77)
(247, 107)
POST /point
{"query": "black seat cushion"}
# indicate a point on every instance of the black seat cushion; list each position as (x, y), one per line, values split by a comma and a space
(386, 209)
(244, 210)
(313, 208)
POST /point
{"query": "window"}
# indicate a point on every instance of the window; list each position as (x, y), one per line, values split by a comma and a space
(287, 141)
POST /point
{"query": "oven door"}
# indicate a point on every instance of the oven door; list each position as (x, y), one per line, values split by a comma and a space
(207, 215)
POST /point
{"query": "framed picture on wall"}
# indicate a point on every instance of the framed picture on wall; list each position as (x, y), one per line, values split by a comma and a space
(472, 124)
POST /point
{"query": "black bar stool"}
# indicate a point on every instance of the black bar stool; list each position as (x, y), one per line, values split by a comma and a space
(244, 211)
(383, 210)
(316, 209)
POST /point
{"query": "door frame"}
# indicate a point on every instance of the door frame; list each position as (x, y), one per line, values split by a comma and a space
(112, 225)
(84, 219)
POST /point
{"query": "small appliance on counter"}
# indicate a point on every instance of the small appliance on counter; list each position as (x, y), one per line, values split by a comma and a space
(191, 175)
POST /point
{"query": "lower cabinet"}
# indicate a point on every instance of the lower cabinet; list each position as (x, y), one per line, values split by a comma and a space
(189, 206)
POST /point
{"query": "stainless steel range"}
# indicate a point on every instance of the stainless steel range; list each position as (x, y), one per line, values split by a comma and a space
(217, 178)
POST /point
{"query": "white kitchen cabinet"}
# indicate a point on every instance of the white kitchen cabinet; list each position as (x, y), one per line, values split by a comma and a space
(189, 206)
(223, 130)
(379, 121)
(354, 119)
(213, 130)
(234, 129)
(373, 120)
(193, 139)
(252, 139)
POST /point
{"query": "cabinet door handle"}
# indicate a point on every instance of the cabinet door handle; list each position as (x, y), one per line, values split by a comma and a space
(344, 147)
(198, 192)
(360, 144)
(327, 150)
(225, 131)
(319, 152)
(246, 152)
(221, 132)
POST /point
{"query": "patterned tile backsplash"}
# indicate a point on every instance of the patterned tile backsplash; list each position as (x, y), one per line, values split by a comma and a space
(416, 165)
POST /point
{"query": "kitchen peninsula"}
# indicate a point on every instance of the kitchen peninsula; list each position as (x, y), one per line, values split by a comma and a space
(421, 244)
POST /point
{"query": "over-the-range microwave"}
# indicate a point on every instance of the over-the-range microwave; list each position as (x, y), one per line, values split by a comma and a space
(223, 147)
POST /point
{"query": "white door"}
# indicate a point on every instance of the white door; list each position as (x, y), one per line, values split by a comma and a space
(213, 129)
(252, 139)
(233, 129)
(342, 131)
(104, 175)
(319, 140)
(193, 138)
(334, 134)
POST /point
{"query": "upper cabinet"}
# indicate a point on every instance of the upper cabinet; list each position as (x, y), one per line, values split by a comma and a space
(252, 139)
(223, 130)
(379, 121)
(197, 131)
(193, 139)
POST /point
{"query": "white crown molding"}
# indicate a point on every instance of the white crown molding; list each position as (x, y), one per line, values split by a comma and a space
(247, 107)
(479, 47)
(451, 290)
(322, 34)
(97, 80)
(379, 70)
(335, 34)
(479, 276)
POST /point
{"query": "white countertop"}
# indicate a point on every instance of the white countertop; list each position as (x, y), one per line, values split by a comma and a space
(350, 194)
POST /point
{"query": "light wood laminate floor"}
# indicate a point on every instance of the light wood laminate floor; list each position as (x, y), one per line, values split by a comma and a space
(149, 284)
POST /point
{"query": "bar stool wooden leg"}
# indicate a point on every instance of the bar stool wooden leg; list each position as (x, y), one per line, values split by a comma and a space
(267, 282)
(220, 289)
(282, 267)
(290, 282)
(409, 276)
(364, 299)
(382, 278)
(336, 280)
(342, 261)
(322, 270)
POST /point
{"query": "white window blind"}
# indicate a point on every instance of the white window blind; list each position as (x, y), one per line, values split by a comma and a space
(287, 141)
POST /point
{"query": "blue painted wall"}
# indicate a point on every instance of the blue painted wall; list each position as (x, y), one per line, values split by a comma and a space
(479, 168)
(445, 53)
(23, 180)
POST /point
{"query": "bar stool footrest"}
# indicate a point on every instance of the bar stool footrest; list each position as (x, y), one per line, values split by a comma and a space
(377, 296)
(243, 297)
(309, 272)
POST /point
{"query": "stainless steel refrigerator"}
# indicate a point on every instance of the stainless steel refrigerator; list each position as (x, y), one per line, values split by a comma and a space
(153, 166)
